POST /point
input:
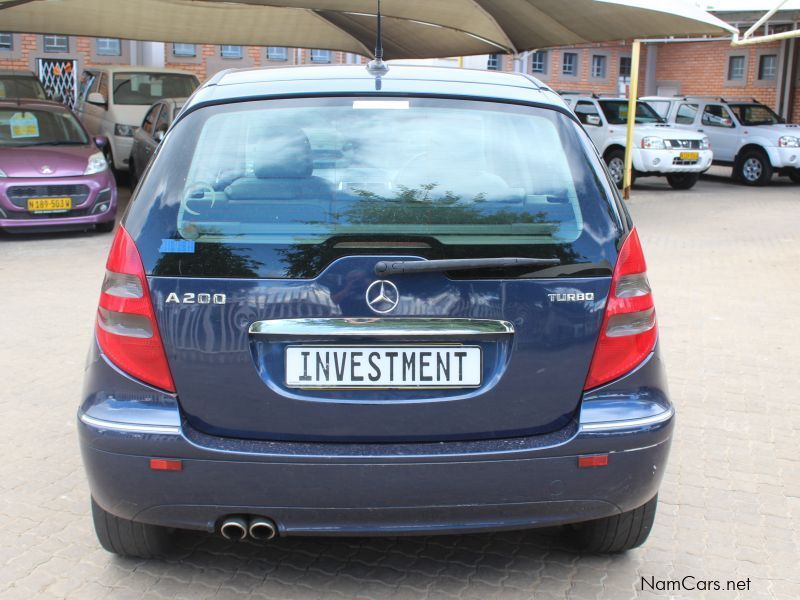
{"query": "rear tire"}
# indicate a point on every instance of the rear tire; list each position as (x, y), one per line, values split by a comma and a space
(753, 168)
(682, 181)
(617, 533)
(794, 175)
(129, 538)
(615, 160)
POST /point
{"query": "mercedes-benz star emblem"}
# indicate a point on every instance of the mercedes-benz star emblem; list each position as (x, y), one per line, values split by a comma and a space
(382, 296)
(46, 170)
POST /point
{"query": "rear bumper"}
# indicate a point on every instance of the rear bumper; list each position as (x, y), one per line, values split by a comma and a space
(378, 489)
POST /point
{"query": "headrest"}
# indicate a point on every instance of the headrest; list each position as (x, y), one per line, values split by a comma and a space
(283, 152)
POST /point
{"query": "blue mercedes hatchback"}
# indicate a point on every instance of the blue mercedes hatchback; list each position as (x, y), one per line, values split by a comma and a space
(342, 304)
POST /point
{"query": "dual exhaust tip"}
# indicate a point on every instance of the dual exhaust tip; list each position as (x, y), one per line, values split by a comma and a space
(258, 528)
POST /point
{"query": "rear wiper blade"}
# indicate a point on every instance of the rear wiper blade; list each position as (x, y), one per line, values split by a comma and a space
(396, 267)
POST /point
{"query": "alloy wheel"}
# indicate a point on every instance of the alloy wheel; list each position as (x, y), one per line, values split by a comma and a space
(752, 169)
(617, 169)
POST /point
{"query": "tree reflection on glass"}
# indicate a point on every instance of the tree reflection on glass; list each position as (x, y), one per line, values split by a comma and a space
(424, 206)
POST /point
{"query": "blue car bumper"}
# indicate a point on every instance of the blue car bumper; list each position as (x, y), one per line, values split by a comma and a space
(377, 489)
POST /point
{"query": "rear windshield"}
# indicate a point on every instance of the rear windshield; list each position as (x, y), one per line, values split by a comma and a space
(13, 86)
(21, 126)
(755, 114)
(281, 188)
(144, 89)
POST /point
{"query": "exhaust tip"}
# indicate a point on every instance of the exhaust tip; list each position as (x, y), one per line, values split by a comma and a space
(234, 528)
(262, 529)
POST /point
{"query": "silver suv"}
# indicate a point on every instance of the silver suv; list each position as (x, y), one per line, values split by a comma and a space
(745, 134)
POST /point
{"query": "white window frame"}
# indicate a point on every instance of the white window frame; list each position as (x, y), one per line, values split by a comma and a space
(575, 63)
(48, 46)
(730, 74)
(545, 55)
(184, 46)
(773, 74)
(629, 60)
(226, 51)
(320, 55)
(599, 60)
(281, 56)
(105, 47)
(494, 62)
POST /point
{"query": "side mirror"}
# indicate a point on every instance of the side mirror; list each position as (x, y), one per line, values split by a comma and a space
(96, 98)
(593, 120)
(101, 141)
(158, 135)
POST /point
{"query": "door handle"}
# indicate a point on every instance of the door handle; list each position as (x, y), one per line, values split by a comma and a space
(700, 131)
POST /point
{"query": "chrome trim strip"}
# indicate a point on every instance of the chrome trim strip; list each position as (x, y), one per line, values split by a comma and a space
(628, 423)
(130, 427)
(414, 327)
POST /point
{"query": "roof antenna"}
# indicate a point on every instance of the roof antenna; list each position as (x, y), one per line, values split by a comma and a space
(377, 67)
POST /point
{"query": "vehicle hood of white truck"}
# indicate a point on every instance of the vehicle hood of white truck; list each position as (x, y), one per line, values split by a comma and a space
(665, 131)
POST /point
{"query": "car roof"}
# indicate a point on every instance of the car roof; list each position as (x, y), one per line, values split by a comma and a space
(32, 103)
(241, 84)
(16, 73)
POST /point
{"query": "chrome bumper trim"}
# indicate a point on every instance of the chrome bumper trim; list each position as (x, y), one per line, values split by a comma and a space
(383, 327)
(628, 423)
(130, 427)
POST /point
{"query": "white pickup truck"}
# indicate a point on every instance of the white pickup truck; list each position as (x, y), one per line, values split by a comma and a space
(746, 135)
(659, 149)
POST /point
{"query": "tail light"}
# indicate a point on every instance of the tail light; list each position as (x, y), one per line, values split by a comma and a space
(629, 331)
(126, 327)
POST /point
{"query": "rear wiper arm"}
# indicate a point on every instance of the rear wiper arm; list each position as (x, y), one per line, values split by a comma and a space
(396, 267)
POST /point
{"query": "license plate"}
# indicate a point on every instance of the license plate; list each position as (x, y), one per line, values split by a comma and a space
(49, 204)
(689, 155)
(387, 367)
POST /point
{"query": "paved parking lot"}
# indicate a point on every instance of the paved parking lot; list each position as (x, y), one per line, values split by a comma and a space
(725, 264)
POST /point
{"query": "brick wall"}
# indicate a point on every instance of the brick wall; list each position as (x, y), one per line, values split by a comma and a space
(208, 61)
(688, 68)
(701, 69)
(583, 81)
(28, 47)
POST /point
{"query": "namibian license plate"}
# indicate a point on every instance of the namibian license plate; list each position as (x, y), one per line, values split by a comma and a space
(49, 204)
(689, 155)
(388, 367)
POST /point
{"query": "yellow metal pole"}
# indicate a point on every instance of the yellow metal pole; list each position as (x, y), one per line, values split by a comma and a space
(460, 62)
(633, 90)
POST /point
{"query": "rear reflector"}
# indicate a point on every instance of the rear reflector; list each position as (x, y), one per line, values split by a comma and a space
(598, 460)
(126, 327)
(628, 333)
(163, 464)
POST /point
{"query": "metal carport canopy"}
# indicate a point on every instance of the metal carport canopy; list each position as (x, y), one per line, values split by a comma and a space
(411, 28)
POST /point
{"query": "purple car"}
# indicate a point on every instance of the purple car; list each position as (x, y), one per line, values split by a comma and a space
(53, 176)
